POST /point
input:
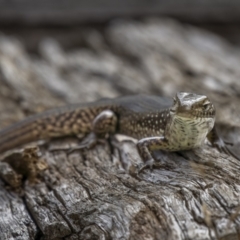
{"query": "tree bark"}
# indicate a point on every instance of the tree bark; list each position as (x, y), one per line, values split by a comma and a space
(48, 192)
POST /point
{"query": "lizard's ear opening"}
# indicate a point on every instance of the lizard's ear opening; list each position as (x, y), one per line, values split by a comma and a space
(177, 100)
(175, 104)
(174, 101)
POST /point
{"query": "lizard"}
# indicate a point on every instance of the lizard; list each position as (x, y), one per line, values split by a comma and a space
(158, 123)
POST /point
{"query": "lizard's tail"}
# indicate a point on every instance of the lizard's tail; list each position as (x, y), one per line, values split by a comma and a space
(50, 124)
(17, 135)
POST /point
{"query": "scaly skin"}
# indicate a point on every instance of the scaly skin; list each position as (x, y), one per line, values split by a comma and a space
(157, 122)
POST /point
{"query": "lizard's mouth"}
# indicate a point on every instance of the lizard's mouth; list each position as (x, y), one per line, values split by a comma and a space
(195, 112)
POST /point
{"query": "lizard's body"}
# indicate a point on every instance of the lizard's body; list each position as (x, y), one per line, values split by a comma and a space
(156, 122)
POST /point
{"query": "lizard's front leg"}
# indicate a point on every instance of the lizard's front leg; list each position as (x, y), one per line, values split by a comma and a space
(147, 145)
(218, 143)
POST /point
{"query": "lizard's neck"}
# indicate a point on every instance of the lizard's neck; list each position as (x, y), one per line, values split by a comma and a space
(187, 133)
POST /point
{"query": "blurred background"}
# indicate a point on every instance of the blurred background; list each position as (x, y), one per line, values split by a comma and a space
(55, 52)
(53, 17)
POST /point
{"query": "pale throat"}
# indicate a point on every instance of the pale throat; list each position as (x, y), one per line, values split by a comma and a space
(187, 133)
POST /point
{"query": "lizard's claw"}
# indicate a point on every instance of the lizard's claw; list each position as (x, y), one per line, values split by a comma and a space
(228, 143)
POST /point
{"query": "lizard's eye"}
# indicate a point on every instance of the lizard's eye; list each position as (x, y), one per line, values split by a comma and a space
(206, 106)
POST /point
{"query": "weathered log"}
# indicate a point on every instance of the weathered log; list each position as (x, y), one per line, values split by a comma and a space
(92, 194)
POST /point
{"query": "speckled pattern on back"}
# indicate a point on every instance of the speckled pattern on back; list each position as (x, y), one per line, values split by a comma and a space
(142, 125)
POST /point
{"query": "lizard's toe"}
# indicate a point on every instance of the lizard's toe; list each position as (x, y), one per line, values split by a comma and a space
(151, 163)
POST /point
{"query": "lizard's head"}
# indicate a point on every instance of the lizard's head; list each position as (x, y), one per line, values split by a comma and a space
(190, 105)
(192, 118)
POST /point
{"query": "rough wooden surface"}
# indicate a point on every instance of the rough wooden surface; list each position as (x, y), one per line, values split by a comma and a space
(88, 194)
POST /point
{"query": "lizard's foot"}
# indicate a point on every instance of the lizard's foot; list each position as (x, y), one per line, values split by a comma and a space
(88, 142)
(151, 163)
(221, 147)
(146, 146)
(218, 143)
